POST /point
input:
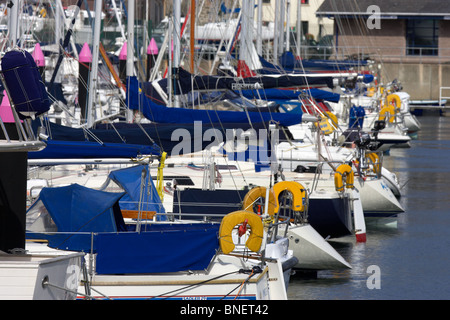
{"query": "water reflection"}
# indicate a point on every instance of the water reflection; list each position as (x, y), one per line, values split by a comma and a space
(412, 254)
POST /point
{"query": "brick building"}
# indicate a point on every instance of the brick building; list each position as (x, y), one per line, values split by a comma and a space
(399, 30)
(409, 38)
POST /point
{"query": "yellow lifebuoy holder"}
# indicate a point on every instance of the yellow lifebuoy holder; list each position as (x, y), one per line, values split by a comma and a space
(344, 170)
(371, 91)
(254, 194)
(160, 178)
(43, 13)
(375, 160)
(387, 111)
(328, 123)
(394, 98)
(231, 220)
(298, 194)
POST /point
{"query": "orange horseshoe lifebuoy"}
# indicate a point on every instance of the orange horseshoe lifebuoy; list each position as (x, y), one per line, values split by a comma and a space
(254, 194)
(341, 171)
(231, 220)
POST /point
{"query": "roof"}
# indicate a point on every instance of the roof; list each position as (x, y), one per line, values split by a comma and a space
(431, 8)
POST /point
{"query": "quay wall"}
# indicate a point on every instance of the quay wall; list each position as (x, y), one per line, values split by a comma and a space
(420, 80)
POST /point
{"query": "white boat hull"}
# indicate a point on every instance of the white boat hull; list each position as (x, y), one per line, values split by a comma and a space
(411, 122)
(377, 198)
(222, 281)
(312, 251)
(31, 276)
(391, 181)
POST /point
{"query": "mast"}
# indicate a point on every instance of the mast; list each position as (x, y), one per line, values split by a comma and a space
(275, 31)
(130, 53)
(247, 31)
(176, 46)
(192, 35)
(281, 26)
(259, 29)
(13, 16)
(84, 66)
(66, 43)
(94, 70)
(67, 24)
(299, 26)
(288, 23)
(119, 21)
(230, 41)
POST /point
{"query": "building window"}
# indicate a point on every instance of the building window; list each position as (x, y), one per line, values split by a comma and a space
(422, 37)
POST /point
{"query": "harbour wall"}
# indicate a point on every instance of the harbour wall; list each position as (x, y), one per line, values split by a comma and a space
(420, 80)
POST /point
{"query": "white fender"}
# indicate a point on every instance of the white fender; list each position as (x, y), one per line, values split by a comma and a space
(358, 216)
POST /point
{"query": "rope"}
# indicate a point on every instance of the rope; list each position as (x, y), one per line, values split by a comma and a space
(195, 284)
(254, 271)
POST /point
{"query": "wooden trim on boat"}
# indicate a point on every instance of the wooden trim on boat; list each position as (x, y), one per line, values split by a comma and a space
(134, 214)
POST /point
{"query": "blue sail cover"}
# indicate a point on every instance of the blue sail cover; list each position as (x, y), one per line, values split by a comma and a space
(187, 82)
(161, 133)
(83, 215)
(66, 149)
(130, 180)
(24, 83)
(162, 114)
(77, 211)
(286, 94)
(75, 208)
(178, 247)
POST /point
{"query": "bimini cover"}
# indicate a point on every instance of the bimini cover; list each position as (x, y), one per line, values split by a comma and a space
(164, 248)
(74, 209)
(140, 191)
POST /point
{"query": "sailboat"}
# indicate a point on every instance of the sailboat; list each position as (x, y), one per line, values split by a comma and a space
(25, 275)
(160, 113)
(195, 185)
(152, 258)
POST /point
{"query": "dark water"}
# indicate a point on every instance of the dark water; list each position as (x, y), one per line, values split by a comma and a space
(413, 259)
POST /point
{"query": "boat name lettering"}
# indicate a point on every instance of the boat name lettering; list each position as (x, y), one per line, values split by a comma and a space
(246, 86)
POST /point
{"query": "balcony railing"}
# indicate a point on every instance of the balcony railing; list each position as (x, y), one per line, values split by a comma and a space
(385, 54)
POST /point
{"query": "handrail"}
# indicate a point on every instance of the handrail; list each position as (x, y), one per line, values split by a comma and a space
(442, 97)
(362, 52)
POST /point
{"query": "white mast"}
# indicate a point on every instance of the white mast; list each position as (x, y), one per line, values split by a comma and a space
(281, 25)
(275, 31)
(119, 21)
(299, 26)
(13, 16)
(130, 52)
(247, 31)
(176, 44)
(90, 114)
(288, 23)
(259, 28)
